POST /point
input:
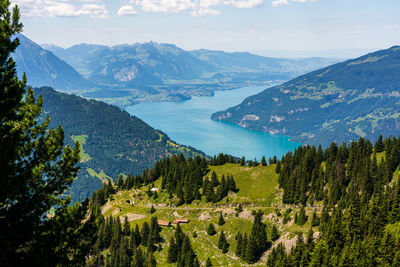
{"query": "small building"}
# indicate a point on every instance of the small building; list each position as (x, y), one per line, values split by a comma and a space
(164, 223)
(155, 189)
(178, 221)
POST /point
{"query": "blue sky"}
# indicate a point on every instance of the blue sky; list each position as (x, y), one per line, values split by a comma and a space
(230, 25)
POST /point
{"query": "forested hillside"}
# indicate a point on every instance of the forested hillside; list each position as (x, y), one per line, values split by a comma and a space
(335, 207)
(342, 102)
(358, 188)
(112, 141)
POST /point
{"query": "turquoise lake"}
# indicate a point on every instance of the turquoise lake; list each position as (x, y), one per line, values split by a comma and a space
(189, 123)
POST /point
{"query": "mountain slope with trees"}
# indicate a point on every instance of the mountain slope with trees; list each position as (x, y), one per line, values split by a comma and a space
(342, 102)
(319, 207)
(113, 141)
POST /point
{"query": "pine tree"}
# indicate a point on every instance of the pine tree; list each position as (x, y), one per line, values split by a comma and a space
(263, 161)
(209, 263)
(173, 251)
(211, 229)
(242, 161)
(138, 238)
(274, 233)
(152, 209)
(36, 170)
(221, 220)
(302, 217)
(138, 259)
(315, 220)
(145, 233)
(244, 247)
(251, 250)
(379, 146)
(221, 240)
(127, 227)
(214, 179)
(238, 251)
(120, 181)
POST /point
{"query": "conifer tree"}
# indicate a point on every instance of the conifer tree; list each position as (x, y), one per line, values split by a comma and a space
(173, 251)
(315, 220)
(238, 250)
(263, 161)
(244, 247)
(274, 233)
(211, 229)
(251, 250)
(145, 233)
(379, 146)
(138, 259)
(127, 227)
(214, 179)
(152, 209)
(36, 170)
(120, 181)
(221, 220)
(221, 240)
(242, 161)
(209, 263)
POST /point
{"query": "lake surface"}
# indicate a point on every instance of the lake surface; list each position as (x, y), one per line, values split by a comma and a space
(189, 123)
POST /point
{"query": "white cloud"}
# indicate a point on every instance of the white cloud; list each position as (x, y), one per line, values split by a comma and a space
(165, 6)
(127, 10)
(63, 8)
(303, 1)
(280, 2)
(276, 3)
(195, 7)
(247, 3)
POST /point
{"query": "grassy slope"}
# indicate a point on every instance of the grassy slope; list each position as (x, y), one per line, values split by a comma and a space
(258, 189)
(82, 140)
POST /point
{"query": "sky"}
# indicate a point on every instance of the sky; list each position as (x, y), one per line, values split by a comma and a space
(261, 26)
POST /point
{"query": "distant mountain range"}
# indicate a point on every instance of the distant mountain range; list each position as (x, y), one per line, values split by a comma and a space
(44, 68)
(342, 102)
(113, 142)
(126, 74)
(156, 64)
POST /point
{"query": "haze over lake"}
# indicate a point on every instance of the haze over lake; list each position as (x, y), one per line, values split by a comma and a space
(189, 123)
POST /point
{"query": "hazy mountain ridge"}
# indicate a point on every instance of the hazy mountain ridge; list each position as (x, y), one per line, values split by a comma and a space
(151, 71)
(44, 68)
(247, 62)
(147, 63)
(358, 97)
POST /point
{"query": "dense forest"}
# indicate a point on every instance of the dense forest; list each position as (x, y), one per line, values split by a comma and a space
(360, 204)
(183, 178)
(133, 246)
